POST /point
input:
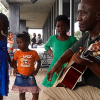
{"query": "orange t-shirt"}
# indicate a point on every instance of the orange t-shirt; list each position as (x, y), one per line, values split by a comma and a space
(26, 61)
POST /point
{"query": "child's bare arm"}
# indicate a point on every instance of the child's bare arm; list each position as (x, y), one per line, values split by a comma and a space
(37, 68)
(15, 66)
(9, 41)
(50, 52)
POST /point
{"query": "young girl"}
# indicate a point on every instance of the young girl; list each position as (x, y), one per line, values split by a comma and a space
(59, 44)
(25, 80)
(10, 43)
(4, 56)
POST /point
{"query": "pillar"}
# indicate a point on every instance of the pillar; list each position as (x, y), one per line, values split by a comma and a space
(14, 16)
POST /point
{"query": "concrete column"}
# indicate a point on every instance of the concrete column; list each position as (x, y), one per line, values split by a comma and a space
(53, 20)
(72, 5)
(14, 16)
(56, 9)
(27, 29)
(60, 3)
(22, 26)
(49, 26)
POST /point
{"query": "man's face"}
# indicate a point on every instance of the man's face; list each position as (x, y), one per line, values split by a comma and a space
(86, 17)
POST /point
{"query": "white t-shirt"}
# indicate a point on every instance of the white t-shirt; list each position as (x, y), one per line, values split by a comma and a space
(10, 45)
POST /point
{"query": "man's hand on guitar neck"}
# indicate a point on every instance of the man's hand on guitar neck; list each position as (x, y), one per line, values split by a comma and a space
(81, 61)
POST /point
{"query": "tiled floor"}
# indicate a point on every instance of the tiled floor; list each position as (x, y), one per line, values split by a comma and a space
(15, 95)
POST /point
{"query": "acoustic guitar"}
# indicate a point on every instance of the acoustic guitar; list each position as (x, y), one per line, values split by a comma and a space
(71, 74)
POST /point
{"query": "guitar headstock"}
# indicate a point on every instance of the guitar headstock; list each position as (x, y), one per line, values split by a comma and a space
(95, 48)
(92, 50)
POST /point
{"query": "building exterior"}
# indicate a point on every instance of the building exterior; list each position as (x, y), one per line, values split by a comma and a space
(24, 15)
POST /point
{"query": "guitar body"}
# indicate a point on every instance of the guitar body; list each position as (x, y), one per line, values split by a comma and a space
(70, 76)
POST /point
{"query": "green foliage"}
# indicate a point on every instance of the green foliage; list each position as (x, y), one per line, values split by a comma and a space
(78, 34)
(3, 9)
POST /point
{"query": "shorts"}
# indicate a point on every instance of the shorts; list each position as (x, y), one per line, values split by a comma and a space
(25, 81)
(25, 84)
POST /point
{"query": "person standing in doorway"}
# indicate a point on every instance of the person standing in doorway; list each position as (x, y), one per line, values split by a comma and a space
(33, 40)
(39, 40)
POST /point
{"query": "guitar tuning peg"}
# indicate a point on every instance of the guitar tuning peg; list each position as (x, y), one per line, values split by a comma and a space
(95, 53)
(95, 41)
(80, 50)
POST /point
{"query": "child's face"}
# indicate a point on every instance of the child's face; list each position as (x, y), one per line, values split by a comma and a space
(39, 36)
(11, 35)
(22, 44)
(61, 27)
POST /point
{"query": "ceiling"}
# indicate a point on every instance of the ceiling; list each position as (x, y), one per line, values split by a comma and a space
(35, 14)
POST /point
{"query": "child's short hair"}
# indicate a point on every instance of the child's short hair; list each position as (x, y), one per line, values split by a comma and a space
(39, 34)
(9, 33)
(63, 18)
(5, 23)
(24, 35)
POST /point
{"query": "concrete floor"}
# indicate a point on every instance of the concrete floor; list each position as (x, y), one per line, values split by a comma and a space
(15, 95)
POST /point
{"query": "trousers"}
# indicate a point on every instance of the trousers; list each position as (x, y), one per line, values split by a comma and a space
(61, 93)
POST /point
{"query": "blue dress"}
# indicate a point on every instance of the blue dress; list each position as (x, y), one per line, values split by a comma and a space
(4, 78)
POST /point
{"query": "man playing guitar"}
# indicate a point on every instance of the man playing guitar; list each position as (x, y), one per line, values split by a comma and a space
(89, 20)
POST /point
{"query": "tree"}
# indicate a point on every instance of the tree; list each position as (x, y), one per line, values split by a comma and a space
(78, 34)
(3, 9)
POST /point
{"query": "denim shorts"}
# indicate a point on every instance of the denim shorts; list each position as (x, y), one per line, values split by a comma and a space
(25, 81)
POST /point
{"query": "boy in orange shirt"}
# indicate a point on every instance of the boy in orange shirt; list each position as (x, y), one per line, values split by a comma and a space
(25, 71)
